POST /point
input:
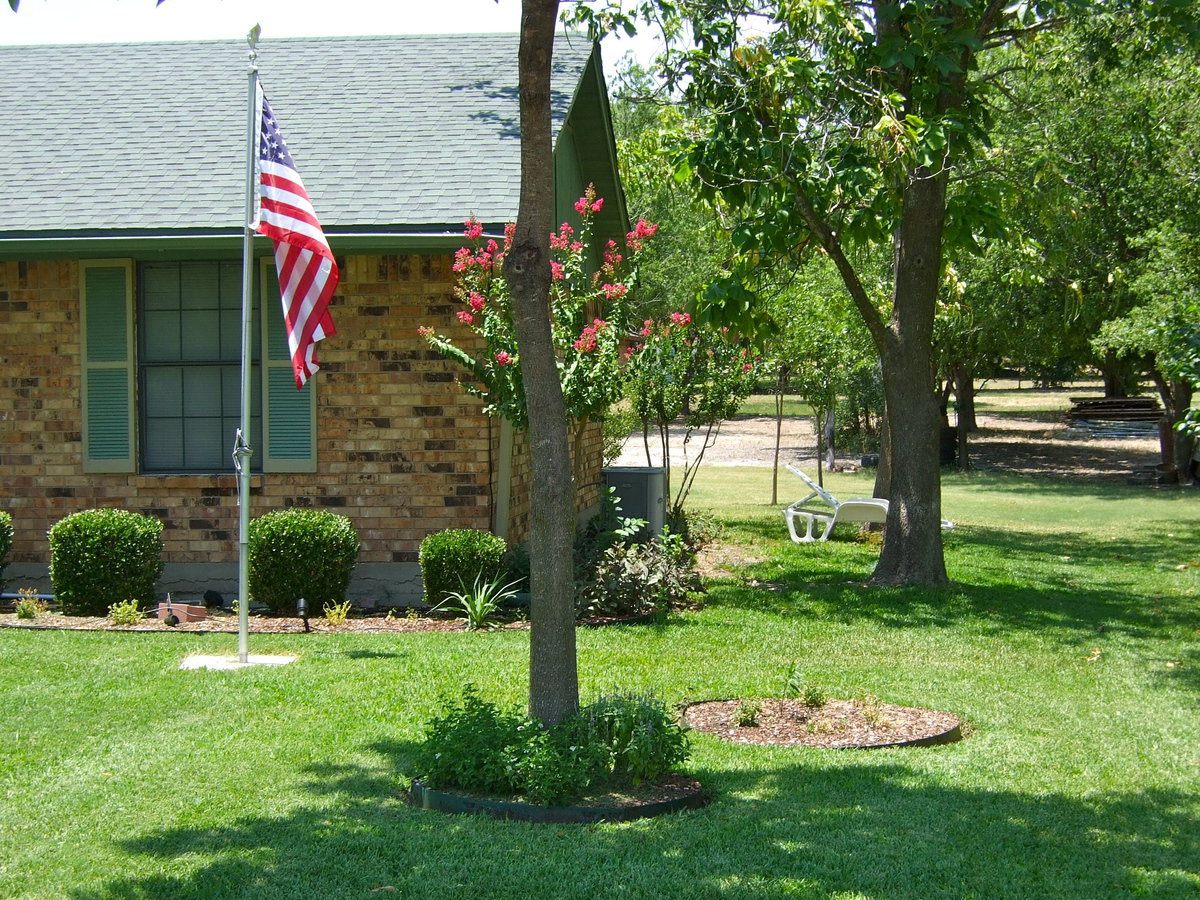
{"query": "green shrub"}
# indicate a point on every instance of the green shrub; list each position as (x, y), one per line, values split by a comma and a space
(468, 745)
(452, 560)
(6, 541)
(99, 557)
(476, 746)
(636, 579)
(296, 553)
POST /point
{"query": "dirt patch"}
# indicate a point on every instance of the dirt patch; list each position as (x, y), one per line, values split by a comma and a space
(837, 724)
(1002, 444)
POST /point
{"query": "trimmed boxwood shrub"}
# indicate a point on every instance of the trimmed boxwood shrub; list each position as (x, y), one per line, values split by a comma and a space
(99, 557)
(453, 559)
(6, 541)
(296, 553)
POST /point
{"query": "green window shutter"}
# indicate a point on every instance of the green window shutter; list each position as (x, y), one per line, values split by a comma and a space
(106, 328)
(289, 415)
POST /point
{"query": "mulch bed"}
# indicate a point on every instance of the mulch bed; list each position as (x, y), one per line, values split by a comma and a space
(222, 623)
(838, 724)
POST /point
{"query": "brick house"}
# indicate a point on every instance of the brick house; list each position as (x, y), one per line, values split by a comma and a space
(121, 210)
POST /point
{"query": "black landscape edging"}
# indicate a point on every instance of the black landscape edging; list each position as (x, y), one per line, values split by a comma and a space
(946, 737)
(424, 797)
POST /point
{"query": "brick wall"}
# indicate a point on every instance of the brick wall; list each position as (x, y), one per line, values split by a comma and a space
(401, 448)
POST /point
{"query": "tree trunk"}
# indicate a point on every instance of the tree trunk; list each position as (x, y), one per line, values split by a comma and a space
(1118, 376)
(553, 675)
(964, 397)
(779, 385)
(1176, 446)
(819, 428)
(883, 475)
(830, 435)
(912, 544)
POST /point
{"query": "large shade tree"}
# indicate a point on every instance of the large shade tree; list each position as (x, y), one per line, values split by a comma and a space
(835, 126)
(553, 672)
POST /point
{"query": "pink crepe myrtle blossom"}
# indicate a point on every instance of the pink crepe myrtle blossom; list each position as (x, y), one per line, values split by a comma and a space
(681, 319)
(635, 239)
(425, 331)
(588, 351)
(589, 203)
(587, 341)
(612, 258)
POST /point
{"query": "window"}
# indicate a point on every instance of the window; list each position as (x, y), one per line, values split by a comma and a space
(189, 366)
(161, 390)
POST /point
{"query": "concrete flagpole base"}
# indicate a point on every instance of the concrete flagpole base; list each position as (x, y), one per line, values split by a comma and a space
(232, 662)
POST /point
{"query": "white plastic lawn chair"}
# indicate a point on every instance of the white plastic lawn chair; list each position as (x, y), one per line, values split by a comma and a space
(857, 509)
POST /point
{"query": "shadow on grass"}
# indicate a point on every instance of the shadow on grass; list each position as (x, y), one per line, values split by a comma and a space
(1062, 587)
(787, 822)
(375, 654)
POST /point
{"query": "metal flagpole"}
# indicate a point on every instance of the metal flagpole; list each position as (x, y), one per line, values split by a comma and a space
(241, 448)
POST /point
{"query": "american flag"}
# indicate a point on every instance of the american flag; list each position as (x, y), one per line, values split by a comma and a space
(307, 271)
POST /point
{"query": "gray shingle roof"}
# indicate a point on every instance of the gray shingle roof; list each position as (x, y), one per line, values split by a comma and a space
(410, 132)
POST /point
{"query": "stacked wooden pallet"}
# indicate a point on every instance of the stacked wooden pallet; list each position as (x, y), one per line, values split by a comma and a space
(1116, 416)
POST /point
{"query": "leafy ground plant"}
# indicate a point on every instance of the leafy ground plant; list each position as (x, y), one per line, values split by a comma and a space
(479, 603)
(29, 605)
(125, 612)
(337, 613)
(746, 715)
(795, 685)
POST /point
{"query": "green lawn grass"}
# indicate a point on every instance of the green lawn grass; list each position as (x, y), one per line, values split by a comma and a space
(764, 405)
(1069, 643)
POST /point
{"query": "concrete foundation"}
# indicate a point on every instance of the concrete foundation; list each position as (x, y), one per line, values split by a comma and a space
(372, 585)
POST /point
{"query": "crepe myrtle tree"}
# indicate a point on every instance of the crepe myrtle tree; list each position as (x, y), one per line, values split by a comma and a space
(587, 315)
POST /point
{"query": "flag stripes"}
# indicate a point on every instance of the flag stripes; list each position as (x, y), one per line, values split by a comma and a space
(307, 271)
